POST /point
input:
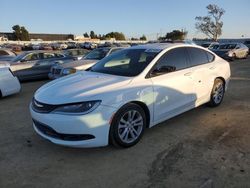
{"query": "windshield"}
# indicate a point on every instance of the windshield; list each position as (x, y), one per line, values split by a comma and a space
(19, 57)
(97, 54)
(127, 62)
(227, 46)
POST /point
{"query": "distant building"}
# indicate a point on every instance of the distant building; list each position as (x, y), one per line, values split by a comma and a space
(41, 36)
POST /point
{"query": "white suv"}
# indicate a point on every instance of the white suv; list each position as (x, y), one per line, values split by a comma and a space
(126, 92)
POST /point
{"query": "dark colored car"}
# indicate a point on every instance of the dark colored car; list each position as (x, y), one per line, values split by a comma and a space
(36, 64)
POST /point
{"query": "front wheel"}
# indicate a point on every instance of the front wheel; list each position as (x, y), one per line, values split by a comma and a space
(128, 125)
(217, 93)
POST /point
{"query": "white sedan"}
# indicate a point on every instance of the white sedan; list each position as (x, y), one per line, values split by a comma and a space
(9, 84)
(126, 92)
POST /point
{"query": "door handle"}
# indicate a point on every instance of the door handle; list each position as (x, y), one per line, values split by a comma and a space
(188, 74)
(212, 68)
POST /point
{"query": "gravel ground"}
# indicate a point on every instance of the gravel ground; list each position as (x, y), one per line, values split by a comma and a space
(205, 147)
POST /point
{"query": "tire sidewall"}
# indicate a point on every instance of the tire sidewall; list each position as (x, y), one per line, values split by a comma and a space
(114, 136)
(212, 102)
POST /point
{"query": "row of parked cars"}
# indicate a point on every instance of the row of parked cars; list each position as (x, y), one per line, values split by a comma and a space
(61, 46)
(122, 91)
(229, 51)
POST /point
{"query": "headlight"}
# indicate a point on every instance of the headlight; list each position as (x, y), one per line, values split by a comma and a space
(230, 53)
(69, 71)
(77, 108)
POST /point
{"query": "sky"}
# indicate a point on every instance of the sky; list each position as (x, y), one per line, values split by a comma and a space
(132, 17)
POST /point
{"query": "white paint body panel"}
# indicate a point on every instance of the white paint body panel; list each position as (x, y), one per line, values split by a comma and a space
(8, 83)
(165, 96)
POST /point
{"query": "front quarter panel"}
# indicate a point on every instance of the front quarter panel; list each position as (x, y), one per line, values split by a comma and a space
(137, 91)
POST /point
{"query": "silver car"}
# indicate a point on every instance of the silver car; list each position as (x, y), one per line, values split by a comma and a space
(231, 51)
(36, 64)
(86, 62)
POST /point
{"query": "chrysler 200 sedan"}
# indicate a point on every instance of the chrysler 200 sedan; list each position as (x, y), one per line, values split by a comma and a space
(126, 92)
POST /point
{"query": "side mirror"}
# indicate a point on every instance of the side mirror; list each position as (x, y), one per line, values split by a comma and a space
(237, 47)
(22, 60)
(163, 70)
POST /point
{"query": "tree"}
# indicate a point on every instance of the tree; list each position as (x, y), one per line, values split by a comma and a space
(143, 37)
(175, 35)
(116, 35)
(133, 38)
(211, 25)
(25, 34)
(93, 35)
(20, 33)
(86, 35)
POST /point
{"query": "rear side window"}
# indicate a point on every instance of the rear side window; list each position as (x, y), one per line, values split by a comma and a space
(198, 56)
(115, 50)
(2, 52)
(48, 55)
(176, 58)
(210, 57)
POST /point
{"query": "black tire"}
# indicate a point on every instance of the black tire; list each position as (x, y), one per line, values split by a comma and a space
(233, 57)
(115, 131)
(218, 90)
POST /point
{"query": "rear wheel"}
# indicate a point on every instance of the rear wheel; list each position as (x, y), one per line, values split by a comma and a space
(217, 93)
(233, 57)
(128, 125)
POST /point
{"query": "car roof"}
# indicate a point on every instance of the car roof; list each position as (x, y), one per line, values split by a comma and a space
(159, 46)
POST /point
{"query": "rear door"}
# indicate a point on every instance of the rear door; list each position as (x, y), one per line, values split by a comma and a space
(202, 70)
(173, 91)
(43, 66)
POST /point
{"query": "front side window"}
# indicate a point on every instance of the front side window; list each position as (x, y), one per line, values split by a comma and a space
(175, 59)
(32, 57)
(197, 56)
(127, 62)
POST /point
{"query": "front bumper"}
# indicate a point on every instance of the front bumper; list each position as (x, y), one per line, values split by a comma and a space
(95, 124)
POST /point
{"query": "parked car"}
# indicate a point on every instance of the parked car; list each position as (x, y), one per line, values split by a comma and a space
(36, 64)
(6, 54)
(247, 43)
(126, 92)
(87, 61)
(76, 53)
(71, 45)
(231, 51)
(59, 46)
(9, 84)
(88, 45)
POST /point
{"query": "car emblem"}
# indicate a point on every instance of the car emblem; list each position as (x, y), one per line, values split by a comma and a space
(38, 105)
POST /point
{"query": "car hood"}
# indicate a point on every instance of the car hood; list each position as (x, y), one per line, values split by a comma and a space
(82, 86)
(4, 64)
(76, 63)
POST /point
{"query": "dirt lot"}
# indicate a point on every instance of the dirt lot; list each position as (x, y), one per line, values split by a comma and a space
(205, 147)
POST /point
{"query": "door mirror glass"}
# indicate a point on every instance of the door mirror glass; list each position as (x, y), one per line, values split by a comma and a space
(163, 70)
